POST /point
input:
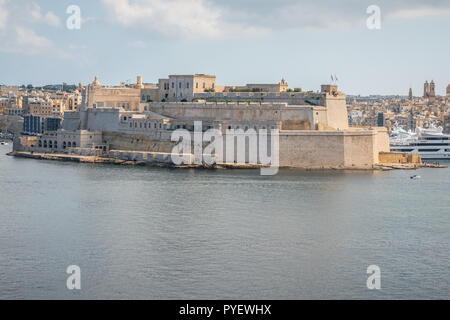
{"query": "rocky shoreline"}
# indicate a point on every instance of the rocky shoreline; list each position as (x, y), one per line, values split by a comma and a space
(106, 160)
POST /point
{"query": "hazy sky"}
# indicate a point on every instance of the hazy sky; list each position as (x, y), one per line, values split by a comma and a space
(239, 41)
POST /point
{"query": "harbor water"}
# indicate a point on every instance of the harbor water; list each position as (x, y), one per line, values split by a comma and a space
(155, 233)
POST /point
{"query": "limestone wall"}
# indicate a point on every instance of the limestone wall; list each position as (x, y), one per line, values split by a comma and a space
(311, 149)
(337, 116)
(121, 141)
(128, 98)
(304, 117)
(329, 148)
(390, 158)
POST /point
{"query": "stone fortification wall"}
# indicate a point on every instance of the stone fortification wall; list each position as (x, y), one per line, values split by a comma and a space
(121, 141)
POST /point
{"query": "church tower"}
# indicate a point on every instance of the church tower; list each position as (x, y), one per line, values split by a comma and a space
(432, 89)
(410, 94)
(426, 90)
(96, 83)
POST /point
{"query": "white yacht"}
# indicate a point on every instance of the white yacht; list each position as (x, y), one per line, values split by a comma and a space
(430, 143)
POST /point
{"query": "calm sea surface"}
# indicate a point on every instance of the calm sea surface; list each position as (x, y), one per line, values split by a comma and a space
(148, 233)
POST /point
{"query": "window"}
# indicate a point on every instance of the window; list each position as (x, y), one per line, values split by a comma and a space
(173, 85)
(69, 144)
(187, 85)
(131, 125)
(204, 85)
(140, 125)
(196, 85)
(74, 144)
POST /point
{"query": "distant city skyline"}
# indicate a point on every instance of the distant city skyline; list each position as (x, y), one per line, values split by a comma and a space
(240, 42)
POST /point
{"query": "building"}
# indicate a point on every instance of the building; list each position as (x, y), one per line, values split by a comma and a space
(429, 90)
(97, 96)
(282, 86)
(448, 90)
(410, 96)
(4, 105)
(313, 126)
(62, 141)
(184, 87)
(426, 90)
(380, 119)
(46, 108)
(33, 125)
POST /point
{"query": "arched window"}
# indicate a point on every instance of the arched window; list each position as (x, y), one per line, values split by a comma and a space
(55, 144)
(64, 145)
(45, 143)
(50, 144)
(40, 143)
(74, 144)
(69, 144)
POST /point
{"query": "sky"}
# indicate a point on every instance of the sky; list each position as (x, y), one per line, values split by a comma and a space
(239, 41)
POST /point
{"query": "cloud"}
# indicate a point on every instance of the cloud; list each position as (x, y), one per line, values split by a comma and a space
(25, 40)
(3, 14)
(19, 34)
(138, 44)
(29, 41)
(37, 16)
(185, 18)
(412, 13)
(52, 20)
(218, 18)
